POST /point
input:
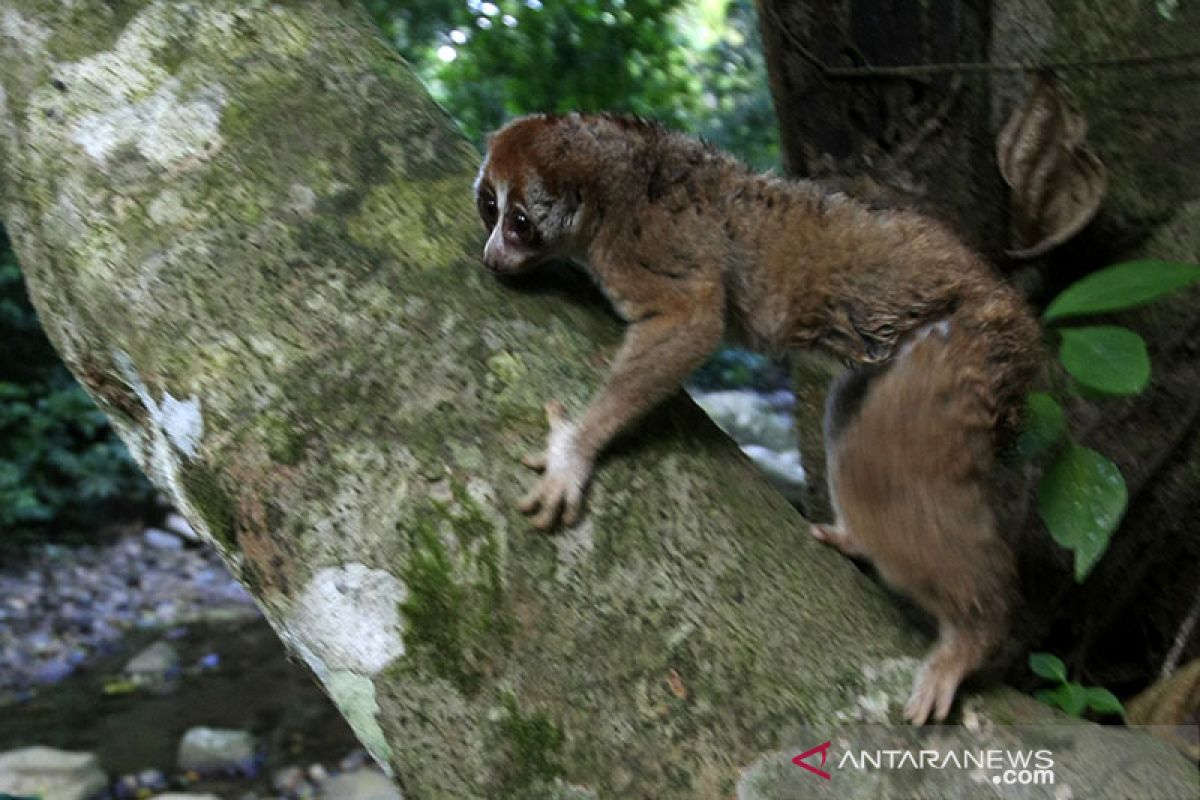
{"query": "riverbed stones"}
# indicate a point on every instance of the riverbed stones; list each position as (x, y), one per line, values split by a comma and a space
(51, 774)
(210, 751)
(363, 784)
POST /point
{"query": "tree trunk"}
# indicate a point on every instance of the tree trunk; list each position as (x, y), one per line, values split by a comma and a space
(250, 234)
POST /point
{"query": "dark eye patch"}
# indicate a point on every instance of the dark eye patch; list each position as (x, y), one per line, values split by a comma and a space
(489, 211)
(519, 226)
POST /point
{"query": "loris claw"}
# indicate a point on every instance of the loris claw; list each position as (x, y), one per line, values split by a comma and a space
(565, 473)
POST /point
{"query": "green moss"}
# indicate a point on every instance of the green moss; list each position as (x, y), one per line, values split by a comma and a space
(90, 27)
(533, 744)
(457, 615)
(248, 575)
(172, 53)
(285, 444)
(211, 501)
(424, 224)
(434, 611)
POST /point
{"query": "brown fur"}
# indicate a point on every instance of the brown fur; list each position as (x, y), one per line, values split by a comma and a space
(692, 247)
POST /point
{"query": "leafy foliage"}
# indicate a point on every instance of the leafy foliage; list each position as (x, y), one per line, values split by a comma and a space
(1121, 286)
(1108, 358)
(1071, 697)
(62, 469)
(693, 64)
(1082, 496)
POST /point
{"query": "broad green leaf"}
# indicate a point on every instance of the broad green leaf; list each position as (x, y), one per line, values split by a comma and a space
(1048, 666)
(1070, 697)
(1108, 358)
(1081, 498)
(1044, 426)
(1124, 285)
(1102, 701)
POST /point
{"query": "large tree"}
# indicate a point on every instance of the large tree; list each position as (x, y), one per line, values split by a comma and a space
(250, 234)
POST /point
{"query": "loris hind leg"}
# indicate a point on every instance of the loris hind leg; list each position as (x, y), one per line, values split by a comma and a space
(911, 455)
(960, 650)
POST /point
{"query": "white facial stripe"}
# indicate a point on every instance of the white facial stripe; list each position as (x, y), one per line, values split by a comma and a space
(501, 200)
(495, 248)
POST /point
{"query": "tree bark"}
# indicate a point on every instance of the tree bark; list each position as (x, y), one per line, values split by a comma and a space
(250, 234)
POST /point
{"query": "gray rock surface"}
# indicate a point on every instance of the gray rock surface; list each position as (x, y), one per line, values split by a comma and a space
(161, 540)
(155, 665)
(176, 524)
(216, 750)
(363, 784)
(51, 774)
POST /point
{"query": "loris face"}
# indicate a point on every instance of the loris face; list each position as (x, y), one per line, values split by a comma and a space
(527, 223)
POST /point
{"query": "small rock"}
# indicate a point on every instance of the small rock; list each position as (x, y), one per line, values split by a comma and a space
(287, 780)
(161, 540)
(155, 667)
(152, 779)
(216, 750)
(353, 760)
(52, 671)
(126, 787)
(51, 774)
(363, 784)
(176, 524)
(317, 773)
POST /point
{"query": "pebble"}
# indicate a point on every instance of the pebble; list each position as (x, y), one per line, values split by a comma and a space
(162, 540)
(288, 780)
(208, 751)
(64, 606)
(51, 774)
(362, 784)
(176, 524)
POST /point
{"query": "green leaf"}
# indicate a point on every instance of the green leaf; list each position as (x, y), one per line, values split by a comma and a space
(1070, 697)
(1125, 285)
(1044, 426)
(1081, 498)
(1108, 358)
(1102, 701)
(1048, 666)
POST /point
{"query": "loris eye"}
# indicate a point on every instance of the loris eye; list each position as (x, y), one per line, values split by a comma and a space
(520, 226)
(488, 211)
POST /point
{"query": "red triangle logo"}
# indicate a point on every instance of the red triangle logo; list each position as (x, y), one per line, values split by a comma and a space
(823, 749)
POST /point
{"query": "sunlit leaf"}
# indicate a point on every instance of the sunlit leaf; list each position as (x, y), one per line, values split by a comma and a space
(1081, 499)
(1048, 666)
(1107, 358)
(1102, 701)
(1070, 697)
(1124, 285)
